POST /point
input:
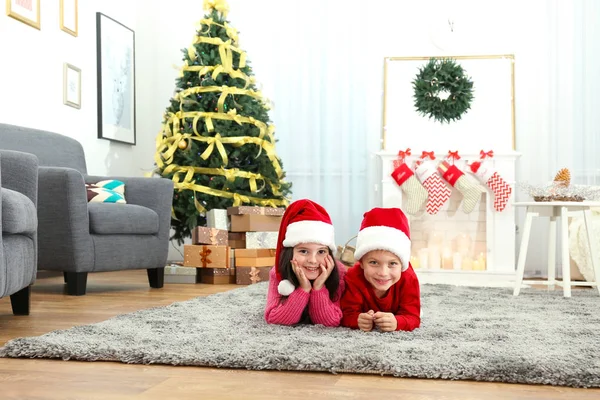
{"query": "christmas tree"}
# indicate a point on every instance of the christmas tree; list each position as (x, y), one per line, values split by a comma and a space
(217, 143)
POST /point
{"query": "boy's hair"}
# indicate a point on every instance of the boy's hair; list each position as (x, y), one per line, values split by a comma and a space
(285, 270)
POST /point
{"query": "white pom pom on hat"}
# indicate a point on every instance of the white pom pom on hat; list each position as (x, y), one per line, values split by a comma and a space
(285, 287)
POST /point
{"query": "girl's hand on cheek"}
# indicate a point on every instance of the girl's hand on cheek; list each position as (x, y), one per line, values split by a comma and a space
(304, 282)
(325, 272)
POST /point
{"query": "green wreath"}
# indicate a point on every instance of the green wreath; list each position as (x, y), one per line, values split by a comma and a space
(443, 91)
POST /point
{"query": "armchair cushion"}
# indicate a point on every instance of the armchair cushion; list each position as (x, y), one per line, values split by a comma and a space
(122, 219)
(19, 215)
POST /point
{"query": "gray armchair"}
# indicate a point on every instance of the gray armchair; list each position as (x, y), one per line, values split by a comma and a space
(76, 237)
(18, 227)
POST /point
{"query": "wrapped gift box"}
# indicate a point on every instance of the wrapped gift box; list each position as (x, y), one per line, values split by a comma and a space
(254, 261)
(261, 240)
(254, 253)
(237, 240)
(212, 236)
(255, 223)
(206, 256)
(179, 274)
(217, 218)
(250, 275)
(217, 276)
(256, 210)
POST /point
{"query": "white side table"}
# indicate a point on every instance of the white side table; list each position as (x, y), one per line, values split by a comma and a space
(555, 210)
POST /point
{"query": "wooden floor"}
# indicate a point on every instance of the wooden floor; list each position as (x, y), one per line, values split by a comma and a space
(114, 293)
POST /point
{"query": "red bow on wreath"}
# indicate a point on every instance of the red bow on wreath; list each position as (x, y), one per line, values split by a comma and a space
(483, 154)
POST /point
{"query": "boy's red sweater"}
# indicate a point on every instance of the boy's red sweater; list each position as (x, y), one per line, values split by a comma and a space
(403, 299)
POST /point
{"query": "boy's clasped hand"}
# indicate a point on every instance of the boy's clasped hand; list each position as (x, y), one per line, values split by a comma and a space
(385, 321)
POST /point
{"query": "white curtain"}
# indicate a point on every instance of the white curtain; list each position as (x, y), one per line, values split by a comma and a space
(586, 93)
(314, 72)
(558, 103)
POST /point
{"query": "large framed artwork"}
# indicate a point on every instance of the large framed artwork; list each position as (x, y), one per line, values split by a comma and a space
(25, 11)
(116, 80)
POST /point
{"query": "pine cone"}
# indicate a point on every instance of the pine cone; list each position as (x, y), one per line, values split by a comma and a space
(563, 177)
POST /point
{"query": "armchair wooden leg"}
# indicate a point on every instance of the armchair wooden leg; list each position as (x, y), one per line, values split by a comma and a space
(20, 301)
(156, 277)
(76, 283)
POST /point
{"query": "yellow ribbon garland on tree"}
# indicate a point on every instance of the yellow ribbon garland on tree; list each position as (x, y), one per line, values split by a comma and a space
(175, 118)
(166, 147)
(219, 5)
(168, 140)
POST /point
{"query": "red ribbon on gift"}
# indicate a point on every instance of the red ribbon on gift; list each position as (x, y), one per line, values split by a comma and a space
(453, 155)
(204, 256)
(483, 154)
(429, 154)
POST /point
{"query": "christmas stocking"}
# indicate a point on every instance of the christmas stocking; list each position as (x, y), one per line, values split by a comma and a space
(470, 190)
(414, 192)
(438, 192)
(494, 181)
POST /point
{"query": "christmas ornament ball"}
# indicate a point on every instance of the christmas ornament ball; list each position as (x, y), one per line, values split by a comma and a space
(182, 145)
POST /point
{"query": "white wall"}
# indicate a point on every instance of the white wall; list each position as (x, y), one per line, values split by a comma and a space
(31, 80)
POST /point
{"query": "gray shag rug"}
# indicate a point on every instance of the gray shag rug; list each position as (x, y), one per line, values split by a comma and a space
(482, 334)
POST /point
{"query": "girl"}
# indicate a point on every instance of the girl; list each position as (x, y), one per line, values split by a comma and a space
(306, 283)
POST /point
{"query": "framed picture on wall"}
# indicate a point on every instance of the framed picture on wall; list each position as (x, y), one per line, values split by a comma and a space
(69, 16)
(25, 11)
(115, 46)
(71, 85)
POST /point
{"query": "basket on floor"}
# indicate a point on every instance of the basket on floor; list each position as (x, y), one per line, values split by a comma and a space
(346, 253)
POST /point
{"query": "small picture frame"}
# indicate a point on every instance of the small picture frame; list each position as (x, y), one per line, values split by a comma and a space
(27, 12)
(71, 85)
(69, 20)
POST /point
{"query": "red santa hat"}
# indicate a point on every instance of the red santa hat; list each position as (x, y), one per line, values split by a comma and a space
(304, 221)
(384, 229)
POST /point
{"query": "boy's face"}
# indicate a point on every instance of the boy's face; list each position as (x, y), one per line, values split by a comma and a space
(382, 269)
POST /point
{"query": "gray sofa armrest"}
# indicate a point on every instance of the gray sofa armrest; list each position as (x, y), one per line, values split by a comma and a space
(20, 173)
(63, 221)
(154, 193)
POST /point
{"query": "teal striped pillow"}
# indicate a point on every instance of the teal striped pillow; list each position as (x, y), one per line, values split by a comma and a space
(112, 184)
(108, 191)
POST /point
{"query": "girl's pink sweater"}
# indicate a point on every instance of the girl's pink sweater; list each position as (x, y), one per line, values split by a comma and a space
(321, 309)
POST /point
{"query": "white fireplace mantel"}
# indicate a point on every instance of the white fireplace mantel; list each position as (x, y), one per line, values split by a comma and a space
(500, 226)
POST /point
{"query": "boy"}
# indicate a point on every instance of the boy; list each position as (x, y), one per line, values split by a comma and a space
(382, 289)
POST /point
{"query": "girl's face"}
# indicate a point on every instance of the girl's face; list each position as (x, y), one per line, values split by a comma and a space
(310, 256)
(382, 269)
